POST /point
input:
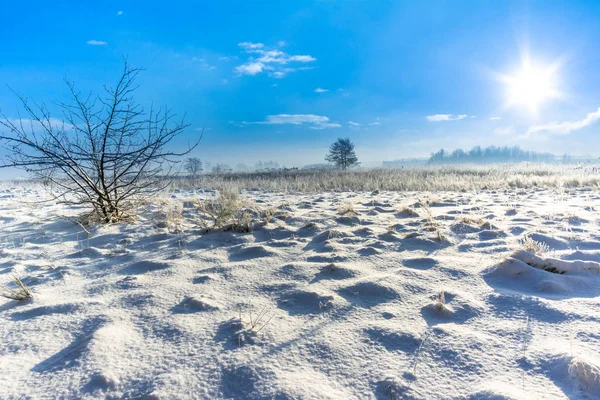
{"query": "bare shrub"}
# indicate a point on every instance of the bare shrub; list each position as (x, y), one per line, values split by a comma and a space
(106, 153)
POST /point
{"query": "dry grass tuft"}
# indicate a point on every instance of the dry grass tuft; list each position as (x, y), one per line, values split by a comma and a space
(21, 293)
(251, 326)
(220, 210)
(347, 209)
(533, 246)
(407, 212)
(476, 221)
(440, 304)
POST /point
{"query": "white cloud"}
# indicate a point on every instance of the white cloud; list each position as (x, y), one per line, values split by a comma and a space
(505, 131)
(272, 61)
(281, 43)
(96, 43)
(303, 58)
(321, 90)
(119, 13)
(250, 68)
(495, 118)
(311, 120)
(251, 46)
(224, 58)
(375, 123)
(445, 117)
(352, 123)
(564, 128)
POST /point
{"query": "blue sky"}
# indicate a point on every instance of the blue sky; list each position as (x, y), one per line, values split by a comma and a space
(281, 80)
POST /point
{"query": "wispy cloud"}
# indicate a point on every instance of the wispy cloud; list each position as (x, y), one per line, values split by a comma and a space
(96, 43)
(505, 131)
(310, 120)
(119, 13)
(352, 123)
(566, 127)
(495, 118)
(321, 90)
(375, 123)
(445, 117)
(272, 61)
(202, 62)
(251, 46)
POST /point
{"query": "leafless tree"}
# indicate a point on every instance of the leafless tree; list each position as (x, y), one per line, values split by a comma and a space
(105, 152)
(221, 168)
(193, 166)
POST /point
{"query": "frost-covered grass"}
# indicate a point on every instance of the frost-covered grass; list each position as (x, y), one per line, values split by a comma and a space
(421, 178)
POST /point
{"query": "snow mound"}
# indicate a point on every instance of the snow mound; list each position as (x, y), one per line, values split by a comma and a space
(552, 242)
(250, 252)
(368, 294)
(300, 302)
(142, 267)
(526, 272)
(558, 266)
(334, 272)
(195, 304)
(448, 306)
(587, 373)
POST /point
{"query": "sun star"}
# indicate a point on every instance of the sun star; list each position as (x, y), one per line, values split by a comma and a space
(531, 85)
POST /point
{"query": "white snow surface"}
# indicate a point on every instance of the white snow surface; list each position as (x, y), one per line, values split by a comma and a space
(311, 304)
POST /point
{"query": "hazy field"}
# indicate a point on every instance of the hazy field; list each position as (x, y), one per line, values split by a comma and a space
(439, 283)
(431, 178)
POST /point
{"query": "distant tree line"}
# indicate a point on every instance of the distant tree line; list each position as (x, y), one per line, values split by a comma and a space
(491, 154)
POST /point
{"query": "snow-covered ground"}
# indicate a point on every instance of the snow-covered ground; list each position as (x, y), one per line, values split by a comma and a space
(340, 295)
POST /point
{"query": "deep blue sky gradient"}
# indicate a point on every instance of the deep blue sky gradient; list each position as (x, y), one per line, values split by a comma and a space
(385, 63)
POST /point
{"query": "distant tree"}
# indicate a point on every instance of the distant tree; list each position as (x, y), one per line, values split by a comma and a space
(341, 153)
(107, 153)
(265, 166)
(489, 154)
(221, 168)
(241, 167)
(193, 166)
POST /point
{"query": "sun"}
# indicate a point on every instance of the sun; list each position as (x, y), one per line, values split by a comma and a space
(531, 85)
